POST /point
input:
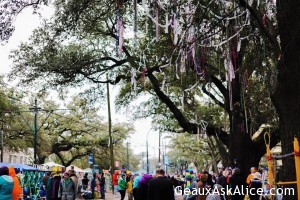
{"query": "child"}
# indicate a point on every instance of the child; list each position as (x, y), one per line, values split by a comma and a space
(129, 188)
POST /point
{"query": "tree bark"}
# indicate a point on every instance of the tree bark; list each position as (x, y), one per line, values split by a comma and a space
(241, 147)
(286, 97)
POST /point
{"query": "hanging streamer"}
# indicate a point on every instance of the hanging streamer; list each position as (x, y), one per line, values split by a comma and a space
(167, 21)
(144, 71)
(230, 95)
(203, 64)
(197, 62)
(182, 63)
(182, 101)
(133, 79)
(234, 57)
(167, 90)
(150, 23)
(117, 32)
(135, 19)
(121, 36)
(230, 69)
(163, 82)
(173, 20)
(239, 45)
(246, 115)
(119, 29)
(157, 29)
(175, 29)
(229, 77)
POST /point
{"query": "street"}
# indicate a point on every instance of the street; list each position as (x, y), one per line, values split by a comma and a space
(110, 196)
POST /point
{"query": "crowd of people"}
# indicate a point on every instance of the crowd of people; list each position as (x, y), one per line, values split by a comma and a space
(142, 187)
(228, 184)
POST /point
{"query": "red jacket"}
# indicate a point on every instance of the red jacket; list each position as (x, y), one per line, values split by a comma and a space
(115, 179)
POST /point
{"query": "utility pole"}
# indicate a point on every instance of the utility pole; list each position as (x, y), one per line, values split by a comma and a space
(155, 161)
(159, 137)
(127, 155)
(166, 164)
(143, 162)
(110, 136)
(163, 157)
(35, 130)
(147, 156)
(2, 145)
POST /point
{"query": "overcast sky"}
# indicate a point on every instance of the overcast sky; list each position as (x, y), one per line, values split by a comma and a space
(25, 23)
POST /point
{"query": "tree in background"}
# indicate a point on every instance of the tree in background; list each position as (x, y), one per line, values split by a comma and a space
(64, 134)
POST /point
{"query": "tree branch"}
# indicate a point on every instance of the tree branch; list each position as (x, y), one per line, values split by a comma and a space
(68, 163)
(213, 97)
(269, 34)
(183, 122)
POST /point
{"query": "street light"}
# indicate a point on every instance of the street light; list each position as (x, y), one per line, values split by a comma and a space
(111, 148)
(35, 111)
(147, 152)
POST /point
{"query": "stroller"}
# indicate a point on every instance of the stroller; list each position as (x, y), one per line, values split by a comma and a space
(87, 195)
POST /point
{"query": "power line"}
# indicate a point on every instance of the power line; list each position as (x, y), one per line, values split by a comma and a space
(44, 110)
(23, 91)
(14, 89)
(13, 98)
(76, 121)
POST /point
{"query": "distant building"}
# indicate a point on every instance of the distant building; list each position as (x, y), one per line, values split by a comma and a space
(21, 157)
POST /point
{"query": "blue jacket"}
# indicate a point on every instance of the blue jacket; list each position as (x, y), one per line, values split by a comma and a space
(6, 187)
(136, 182)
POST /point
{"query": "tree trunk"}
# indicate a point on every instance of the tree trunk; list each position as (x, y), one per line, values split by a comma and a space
(213, 154)
(286, 97)
(241, 147)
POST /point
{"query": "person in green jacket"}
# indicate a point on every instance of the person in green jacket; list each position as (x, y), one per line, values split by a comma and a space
(122, 186)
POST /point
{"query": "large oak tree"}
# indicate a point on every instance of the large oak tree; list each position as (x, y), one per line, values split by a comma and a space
(92, 23)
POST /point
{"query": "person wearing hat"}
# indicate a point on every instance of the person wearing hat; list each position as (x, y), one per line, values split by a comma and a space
(122, 186)
(255, 184)
(190, 185)
(55, 185)
(142, 191)
(67, 188)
